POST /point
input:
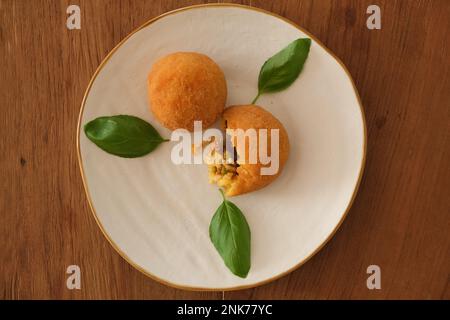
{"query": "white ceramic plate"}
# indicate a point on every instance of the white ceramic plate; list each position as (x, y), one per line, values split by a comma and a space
(156, 214)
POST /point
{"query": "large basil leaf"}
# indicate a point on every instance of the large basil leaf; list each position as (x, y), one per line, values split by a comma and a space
(281, 70)
(123, 135)
(230, 234)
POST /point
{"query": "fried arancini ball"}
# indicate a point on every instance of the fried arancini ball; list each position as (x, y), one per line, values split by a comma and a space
(241, 176)
(184, 87)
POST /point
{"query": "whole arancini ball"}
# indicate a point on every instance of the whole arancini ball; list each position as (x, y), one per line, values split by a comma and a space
(184, 87)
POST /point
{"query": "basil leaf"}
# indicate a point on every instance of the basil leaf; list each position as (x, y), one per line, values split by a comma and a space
(122, 135)
(281, 70)
(230, 234)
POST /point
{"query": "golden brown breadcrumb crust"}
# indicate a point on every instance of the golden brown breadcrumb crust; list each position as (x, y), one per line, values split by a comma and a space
(184, 87)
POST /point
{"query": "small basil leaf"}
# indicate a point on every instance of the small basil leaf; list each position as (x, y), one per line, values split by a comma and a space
(281, 70)
(122, 135)
(230, 234)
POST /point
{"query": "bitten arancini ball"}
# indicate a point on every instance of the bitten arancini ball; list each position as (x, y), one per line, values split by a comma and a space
(242, 176)
(184, 87)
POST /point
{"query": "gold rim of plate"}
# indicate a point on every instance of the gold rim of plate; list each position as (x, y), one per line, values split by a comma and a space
(80, 162)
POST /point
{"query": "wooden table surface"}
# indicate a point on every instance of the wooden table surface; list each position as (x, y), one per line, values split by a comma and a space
(400, 219)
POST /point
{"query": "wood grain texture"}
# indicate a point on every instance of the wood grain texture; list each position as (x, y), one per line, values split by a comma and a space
(400, 219)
